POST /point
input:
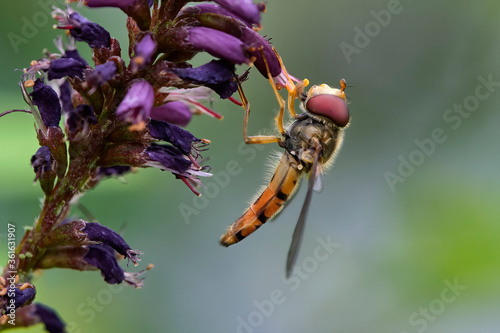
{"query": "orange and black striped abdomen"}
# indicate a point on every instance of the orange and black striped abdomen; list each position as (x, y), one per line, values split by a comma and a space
(280, 189)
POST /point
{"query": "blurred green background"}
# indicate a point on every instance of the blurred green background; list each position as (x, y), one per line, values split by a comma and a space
(399, 249)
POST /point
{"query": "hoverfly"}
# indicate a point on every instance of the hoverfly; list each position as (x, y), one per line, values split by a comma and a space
(311, 143)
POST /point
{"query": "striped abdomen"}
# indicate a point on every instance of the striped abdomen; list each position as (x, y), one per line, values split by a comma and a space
(282, 186)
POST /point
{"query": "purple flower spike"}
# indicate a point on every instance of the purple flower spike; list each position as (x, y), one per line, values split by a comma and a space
(258, 45)
(99, 233)
(177, 136)
(80, 118)
(49, 317)
(217, 75)
(245, 9)
(101, 74)
(48, 104)
(62, 67)
(41, 161)
(137, 104)
(145, 49)
(176, 112)
(103, 257)
(218, 43)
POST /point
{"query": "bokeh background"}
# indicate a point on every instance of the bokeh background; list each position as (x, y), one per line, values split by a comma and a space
(399, 249)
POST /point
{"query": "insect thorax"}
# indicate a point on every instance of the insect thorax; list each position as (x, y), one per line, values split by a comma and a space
(302, 135)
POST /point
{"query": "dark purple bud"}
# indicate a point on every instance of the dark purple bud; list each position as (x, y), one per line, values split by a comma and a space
(175, 112)
(217, 43)
(245, 9)
(62, 67)
(177, 136)
(49, 317)
(145, 49)
(99, 233)
(116, 170)
(103, 257)
(169, 157)
(74, 55)
(80, 118)
(41, 161)
(23, 297)
(217, 75)
(48, 104)
(137, 104)
(101, 74)
(86, 31)
(65, 91)
(259, 47)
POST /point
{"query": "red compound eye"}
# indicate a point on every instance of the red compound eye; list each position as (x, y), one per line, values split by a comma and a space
(331, 107)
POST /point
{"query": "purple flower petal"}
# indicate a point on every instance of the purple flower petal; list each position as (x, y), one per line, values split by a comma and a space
(48, 104)
(175, 112)
(217, 43)
(256, 42)
(74, 55)
(62, 67)
(99, 233)
(170, 157)
(217, 75)
(89, 32)
(101, 74)
(137, 104)
(103, 257)
(49, 317)
(145, 49)
(177, 136)
(245, 9)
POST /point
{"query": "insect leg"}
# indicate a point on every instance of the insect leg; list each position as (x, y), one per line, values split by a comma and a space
(257, 139)
(294, 91)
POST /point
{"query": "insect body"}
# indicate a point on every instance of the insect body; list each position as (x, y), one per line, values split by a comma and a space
(310, 143)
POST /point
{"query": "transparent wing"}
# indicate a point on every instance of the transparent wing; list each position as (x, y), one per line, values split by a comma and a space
(299, 228)
(318, 180)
